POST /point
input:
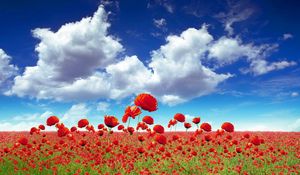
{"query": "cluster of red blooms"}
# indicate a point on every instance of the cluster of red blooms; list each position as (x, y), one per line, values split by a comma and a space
(151, 141)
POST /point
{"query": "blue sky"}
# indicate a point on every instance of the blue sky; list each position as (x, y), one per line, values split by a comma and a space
(220, 60)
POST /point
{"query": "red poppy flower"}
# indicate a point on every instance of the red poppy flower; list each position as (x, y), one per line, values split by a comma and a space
(120, 127)
(172, 122)
(142, 125)
(161, 139)
(101, 126)
(82, 142)
(146, 102)
(130, 130)
(159, 129)
(196, 120)
(33, 130)
(255, 141)
(187, 125)
(141, 138)
(73, 129)
(227, 127)
(23, 141)
(63, 131)
(238, 150)
(111, 121)
(131, 111)
(207, 138)
(206, 127)
(179, 117)
(42, 127)
(141, 150)
(148, 119)
(52, 120)
(83, 123)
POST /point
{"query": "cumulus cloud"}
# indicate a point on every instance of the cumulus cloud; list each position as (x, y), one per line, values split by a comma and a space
(178, 69)
(73, 52)
(7, 70)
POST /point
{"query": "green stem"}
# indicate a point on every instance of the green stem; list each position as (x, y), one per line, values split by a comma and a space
(128, 122)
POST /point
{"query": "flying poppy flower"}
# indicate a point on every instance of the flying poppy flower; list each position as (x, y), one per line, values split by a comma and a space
(187, 125)
(161, 139)
(101, 126)
(196, 120)
(148, 119)
(206, 127)
(131, 111)
(179, 117)
(23, 141)
(159, 129)
(52, 120)
(228, 127)
(83, 123)
(146, 102)
(111, 121)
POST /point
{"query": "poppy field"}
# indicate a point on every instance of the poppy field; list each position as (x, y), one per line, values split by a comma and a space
(118, 147)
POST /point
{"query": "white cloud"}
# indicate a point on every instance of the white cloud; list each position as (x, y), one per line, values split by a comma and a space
(287, 36)
(259, 67)
(160, 23)
(295, 126)
(103, 106)
(73, 52)
(164, 3)
(228, 50)
(7, 70)
(25, 122)
(294, 94)
(238, 12)
(177, 67)
(75, 113)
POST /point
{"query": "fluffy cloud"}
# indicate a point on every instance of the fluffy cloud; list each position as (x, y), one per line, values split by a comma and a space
(177, 69)
(73, 52)
(228, 50)
(7, 70)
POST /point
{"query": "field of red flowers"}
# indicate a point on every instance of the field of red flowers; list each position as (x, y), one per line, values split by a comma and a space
(113, 148)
